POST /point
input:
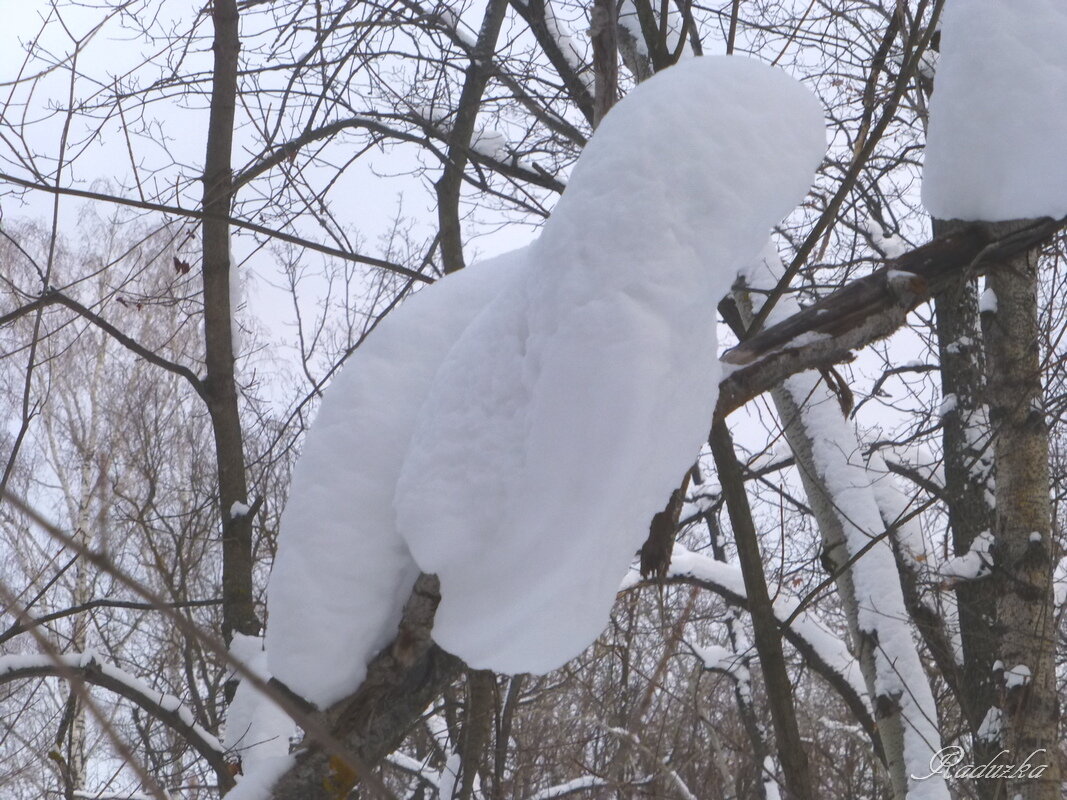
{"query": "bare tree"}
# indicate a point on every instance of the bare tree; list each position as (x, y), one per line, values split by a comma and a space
(153, 425)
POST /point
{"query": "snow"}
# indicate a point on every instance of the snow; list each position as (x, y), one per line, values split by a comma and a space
(854, 490)
(727, 577)
(449, 776)
(770, 784)
(928, 63)
(987, 303)
(891, 244)
(256, 783)
(976, 563)
(447, 14)
(722, 659)
(490, 143)
(631, 24)
(1019, 675)
(897, 508)
(1059, 584)
(990, 728)
(573, 404)
(569, 788)
(572, 53)
(415, 767)
(256, 729)
(998, 115)
(948, 405)
(698, 505)
(341, 574)
(135, 685)
(238, 509)
(528, 416)
(900, 277)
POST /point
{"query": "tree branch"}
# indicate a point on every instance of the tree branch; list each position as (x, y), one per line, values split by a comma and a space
(55, 297)
(21, 627)
(856, 702)
(865, 310)
(201, 216)
(166, 708)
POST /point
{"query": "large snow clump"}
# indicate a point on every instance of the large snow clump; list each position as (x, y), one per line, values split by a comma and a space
(998, 115)
(514, 429)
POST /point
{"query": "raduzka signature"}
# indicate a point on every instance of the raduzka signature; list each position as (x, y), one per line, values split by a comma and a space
(946, 762)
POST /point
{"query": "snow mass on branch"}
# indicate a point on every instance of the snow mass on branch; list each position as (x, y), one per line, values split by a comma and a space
(998, 115)
(863, 499)
(514, 428)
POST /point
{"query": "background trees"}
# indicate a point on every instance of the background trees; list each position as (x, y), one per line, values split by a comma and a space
(206, 210)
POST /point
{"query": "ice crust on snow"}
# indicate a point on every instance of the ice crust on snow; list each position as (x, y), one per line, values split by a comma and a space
(528, 416)
(998, 115)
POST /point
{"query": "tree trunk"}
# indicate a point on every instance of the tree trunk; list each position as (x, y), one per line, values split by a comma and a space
(835, 557)
(1022, 581)
(966, 456)
(238, 610)
(461, 134)
(742, 696)
(603, 31)
(401, 681)
(880, 602)
(791, 751)
(477, 725)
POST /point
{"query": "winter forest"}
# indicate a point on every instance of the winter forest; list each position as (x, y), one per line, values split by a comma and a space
(533, 399)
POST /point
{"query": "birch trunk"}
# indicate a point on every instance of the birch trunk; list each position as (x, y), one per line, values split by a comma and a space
(801, 401)
(1025, 624)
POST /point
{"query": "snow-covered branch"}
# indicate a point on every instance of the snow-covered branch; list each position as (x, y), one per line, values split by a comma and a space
(88, 666)
(824, 652)
(864, 311)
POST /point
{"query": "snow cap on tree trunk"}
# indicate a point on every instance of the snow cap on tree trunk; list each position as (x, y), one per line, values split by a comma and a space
(998, 115)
